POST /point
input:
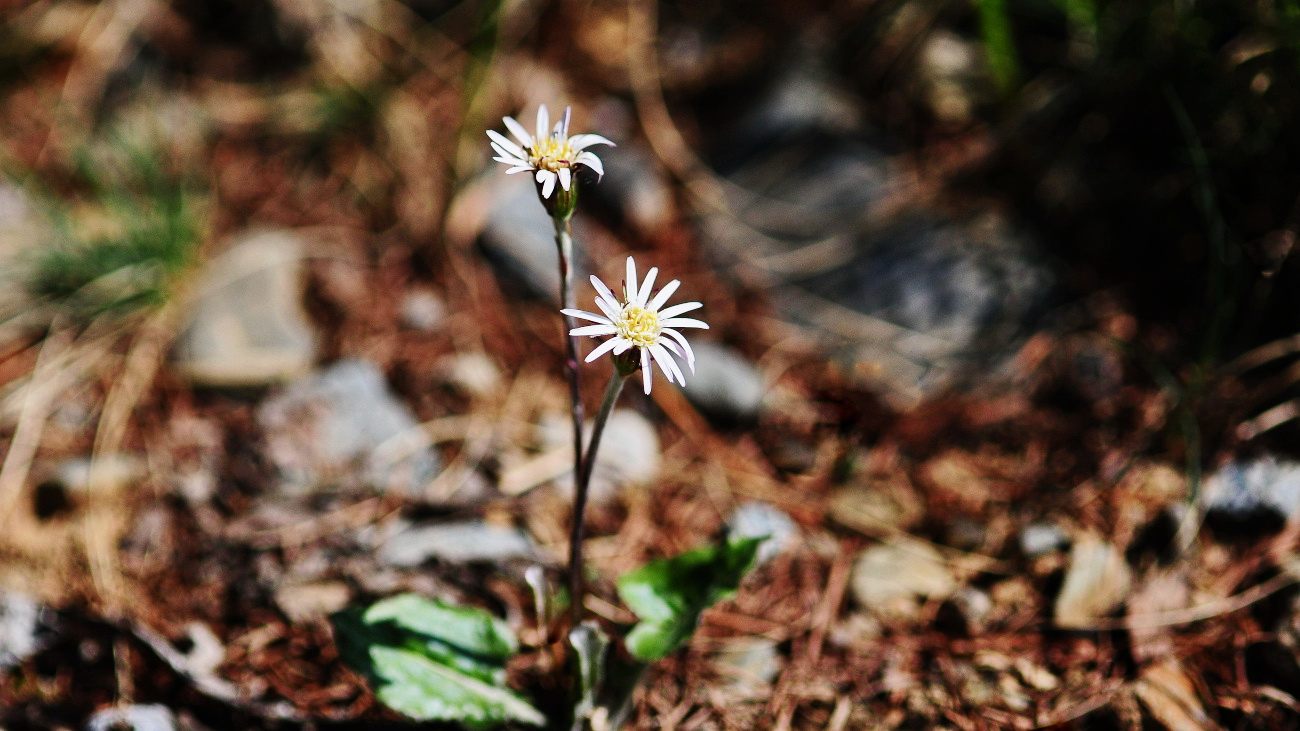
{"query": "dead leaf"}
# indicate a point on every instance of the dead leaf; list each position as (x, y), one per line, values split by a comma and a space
(1170, 695)
(1097, 580)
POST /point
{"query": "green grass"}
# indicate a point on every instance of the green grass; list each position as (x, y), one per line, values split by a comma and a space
(122, 244)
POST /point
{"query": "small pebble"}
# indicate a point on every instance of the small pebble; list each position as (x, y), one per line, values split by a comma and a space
(755, 519)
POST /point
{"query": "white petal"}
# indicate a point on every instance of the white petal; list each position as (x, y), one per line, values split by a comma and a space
(686, 347)
(564, 127)
(593, 330)
(519, 132)
(589, 316)
(647, 286)
(565, 173)
(629, 284)
(591, 161)
(675, 310)
(667, 365)
(646, 375)
(681, 377)
(583, 141)
(543, 121)
(602, 349)
(622, 347)
(663, 295)
(684, 322)
(605, 299)
(519, 169)
(503, 145)
(547, 179)
(601, 288)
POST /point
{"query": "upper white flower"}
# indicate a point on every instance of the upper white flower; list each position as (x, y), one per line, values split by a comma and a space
(553, 155)
(638, 322)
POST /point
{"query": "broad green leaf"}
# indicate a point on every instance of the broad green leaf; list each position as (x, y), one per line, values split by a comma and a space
(433, 661)
(429, 691)
(669, 595)
(468, 628)
(466, 638)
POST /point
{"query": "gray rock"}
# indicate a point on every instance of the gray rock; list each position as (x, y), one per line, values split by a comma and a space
(907, 302)
(1251, 495)
(630, 454)
(518, 237)
(725, 385)
(135, 718)
(1039, 539)
(755, 519)
(464, 542)
(247, 327)
(795, 207)
(422, 310)
(342, 424)
(926, 304)
(804, 175)
(20, 629)
(633, 188)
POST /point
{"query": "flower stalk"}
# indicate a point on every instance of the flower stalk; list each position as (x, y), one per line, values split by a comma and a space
(578, 530)
(564, 245)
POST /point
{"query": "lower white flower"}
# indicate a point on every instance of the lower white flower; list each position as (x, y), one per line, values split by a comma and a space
(641, 321)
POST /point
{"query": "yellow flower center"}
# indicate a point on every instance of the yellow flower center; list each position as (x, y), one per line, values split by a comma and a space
(639, 326)
(551, 154)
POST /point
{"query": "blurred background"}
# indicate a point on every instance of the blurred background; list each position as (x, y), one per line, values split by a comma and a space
(1004, 325)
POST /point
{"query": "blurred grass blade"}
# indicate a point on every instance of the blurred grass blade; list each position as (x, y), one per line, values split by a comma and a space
(999, 45)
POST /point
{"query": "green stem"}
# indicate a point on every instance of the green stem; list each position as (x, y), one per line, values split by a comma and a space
(580, 494)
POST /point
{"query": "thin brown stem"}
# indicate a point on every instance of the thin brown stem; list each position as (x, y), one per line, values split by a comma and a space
(564, 243)
(580, 494)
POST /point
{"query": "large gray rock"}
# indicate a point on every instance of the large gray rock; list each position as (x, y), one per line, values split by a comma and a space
(462, 542)
(133, 718)
(1253, 496)
(343, 425)
(247, 326)
(629, 454)
(908, 302)
(725, 385)
(518, 237)
(925, 305)
(634, 188)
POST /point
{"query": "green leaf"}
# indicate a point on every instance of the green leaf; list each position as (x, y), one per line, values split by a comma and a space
(427, 690)
(433, 661)
(466, 638)
(670, 594)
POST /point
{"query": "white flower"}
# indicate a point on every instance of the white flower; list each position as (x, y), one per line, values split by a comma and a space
(552, 155)
(639, 322)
